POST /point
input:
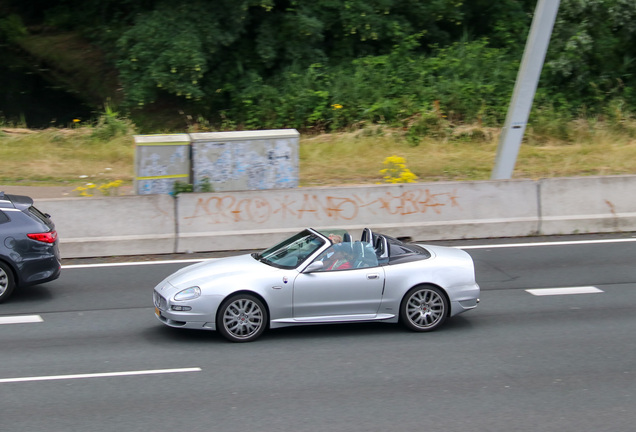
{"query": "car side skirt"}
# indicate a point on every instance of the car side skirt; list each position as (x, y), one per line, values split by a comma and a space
(285, 322)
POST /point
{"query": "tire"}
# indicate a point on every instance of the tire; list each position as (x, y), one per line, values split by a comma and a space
(424, 308)
(7, 282)
(242, 318)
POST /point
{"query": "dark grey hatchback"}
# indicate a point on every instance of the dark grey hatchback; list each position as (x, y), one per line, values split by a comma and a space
(29, 252)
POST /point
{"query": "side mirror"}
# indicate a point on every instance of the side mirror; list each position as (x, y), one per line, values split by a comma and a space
(314, 266)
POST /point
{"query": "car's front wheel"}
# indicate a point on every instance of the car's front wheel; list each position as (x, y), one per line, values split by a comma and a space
(241, 318)
(7, 282)
(424, 308)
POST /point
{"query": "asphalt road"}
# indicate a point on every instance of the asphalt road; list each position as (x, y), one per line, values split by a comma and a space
(96, 359)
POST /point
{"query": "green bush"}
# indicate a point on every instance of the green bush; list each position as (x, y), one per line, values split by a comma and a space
(110, 125)
(467, 81)
(12, 28)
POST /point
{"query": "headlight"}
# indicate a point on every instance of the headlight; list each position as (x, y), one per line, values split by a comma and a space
(188, 294)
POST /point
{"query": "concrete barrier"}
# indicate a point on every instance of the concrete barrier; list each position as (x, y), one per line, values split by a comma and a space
(130, 225)
(588, 205)
(421, 211)
(155, 224)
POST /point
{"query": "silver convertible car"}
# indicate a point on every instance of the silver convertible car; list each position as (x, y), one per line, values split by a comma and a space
(316, 277)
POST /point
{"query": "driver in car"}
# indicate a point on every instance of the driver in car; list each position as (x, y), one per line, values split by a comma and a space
(341, 258)
(335, 238)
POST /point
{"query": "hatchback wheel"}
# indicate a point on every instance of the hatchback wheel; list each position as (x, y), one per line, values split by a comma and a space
(7, 282)
(424, 308)
(241, 318)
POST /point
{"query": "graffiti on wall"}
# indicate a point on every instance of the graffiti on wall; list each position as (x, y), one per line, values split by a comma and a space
(159, 166)
(246, 165)
(311, 208)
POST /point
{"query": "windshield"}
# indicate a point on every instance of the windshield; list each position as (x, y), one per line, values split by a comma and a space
(292, 252)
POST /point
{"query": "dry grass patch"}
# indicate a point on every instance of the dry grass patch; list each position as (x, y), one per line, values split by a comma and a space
(62, 156)
(358, 158)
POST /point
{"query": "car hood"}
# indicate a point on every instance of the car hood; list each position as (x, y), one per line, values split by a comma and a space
(239, 268)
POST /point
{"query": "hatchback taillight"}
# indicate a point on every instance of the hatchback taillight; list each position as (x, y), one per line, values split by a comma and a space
(47, 237)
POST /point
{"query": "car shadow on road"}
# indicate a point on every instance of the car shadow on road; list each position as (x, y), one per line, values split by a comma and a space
(163, 334)
(371, 331)
(30, 294)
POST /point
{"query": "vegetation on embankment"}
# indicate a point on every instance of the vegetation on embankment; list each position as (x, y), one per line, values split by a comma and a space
(104, 152)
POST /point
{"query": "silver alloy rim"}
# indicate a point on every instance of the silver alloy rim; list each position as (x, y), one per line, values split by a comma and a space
(425, 308)
(243, 318)
(4, 281)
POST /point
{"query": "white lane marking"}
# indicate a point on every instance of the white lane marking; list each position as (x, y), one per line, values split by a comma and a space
(23, 319)
(564, 291)
(137, 263)
(98, 375)
(486, 246)
(559, 243)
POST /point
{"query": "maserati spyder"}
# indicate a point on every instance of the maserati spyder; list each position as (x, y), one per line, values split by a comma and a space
(320, 277)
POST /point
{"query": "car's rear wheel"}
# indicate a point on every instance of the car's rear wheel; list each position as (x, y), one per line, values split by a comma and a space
(7, 282)
(242, 318)
(424, 308)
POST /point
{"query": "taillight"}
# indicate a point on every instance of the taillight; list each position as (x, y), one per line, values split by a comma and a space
(47, 237)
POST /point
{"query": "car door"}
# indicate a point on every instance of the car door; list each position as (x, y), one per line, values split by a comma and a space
(338, 293)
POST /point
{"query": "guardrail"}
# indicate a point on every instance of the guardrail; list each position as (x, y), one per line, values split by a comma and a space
(157, 224)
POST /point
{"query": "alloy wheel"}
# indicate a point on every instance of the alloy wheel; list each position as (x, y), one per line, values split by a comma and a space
(243, 319)
(425, 308)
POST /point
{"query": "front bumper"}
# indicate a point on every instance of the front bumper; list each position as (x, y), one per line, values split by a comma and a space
(196, 318)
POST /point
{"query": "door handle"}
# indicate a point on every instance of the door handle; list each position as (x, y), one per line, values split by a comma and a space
(373, 276)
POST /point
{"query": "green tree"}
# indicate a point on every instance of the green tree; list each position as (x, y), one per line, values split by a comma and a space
(591, 58)
(326, 64)
(505, 22)
(171, 48)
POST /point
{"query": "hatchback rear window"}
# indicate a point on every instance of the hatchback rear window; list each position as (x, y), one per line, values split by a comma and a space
(40, 216)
